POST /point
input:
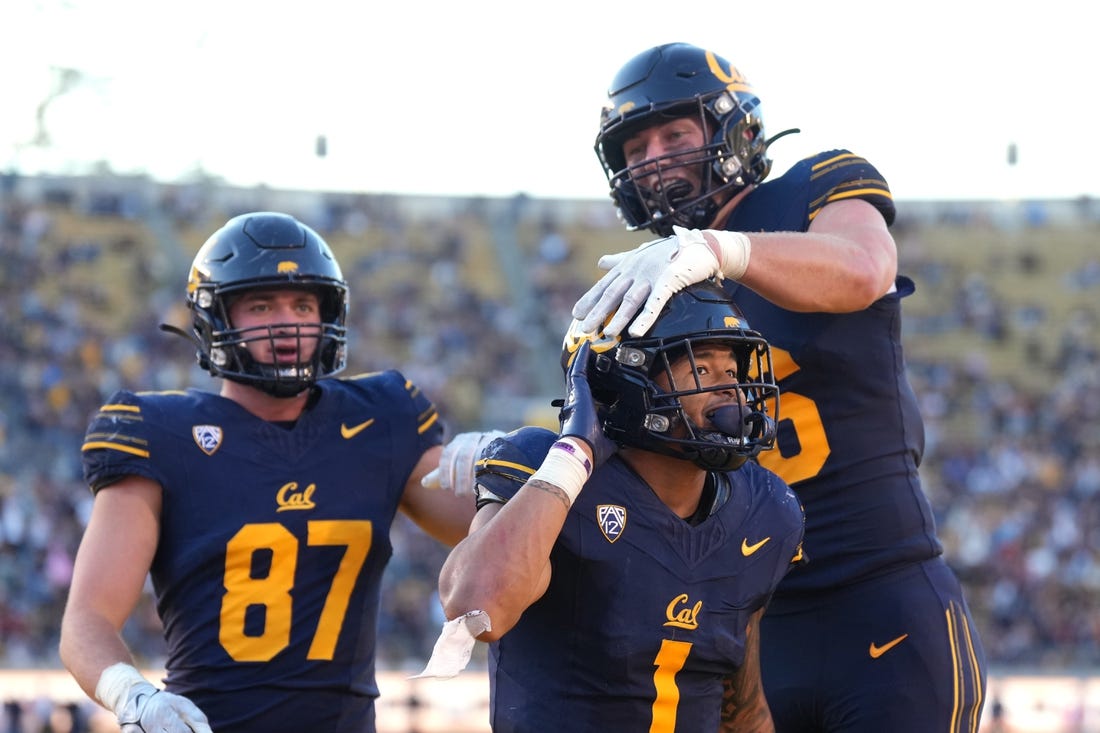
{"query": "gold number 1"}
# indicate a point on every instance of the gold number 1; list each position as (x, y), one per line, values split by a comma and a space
(670, 660)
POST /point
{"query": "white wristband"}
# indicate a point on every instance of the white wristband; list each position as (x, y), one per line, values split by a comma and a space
(565, 466)
(115, 682)
(732, 252)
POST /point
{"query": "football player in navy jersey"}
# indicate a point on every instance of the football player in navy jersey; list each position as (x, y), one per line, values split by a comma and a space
(262, 512)
(620, 567)
(873, 633)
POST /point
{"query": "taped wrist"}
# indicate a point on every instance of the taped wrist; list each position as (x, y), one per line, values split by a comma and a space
(732, 251)
(115, 683)
(565, 466)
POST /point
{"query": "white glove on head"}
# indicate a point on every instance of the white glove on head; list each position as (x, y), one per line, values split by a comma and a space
(646, 277)
(141, 707)
(456, 463)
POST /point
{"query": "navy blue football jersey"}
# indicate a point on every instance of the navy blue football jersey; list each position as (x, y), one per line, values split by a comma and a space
(875, 609)
(850, 435)
(272, 542)
(646, 614)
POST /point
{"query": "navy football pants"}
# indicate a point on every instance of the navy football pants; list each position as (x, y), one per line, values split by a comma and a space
(894, 654)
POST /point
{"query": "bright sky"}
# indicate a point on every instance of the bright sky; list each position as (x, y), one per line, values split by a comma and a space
(494, 97)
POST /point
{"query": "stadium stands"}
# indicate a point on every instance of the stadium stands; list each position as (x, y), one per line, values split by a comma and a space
(469, 298)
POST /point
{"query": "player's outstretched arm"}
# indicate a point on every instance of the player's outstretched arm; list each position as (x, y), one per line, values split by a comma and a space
(844, 262)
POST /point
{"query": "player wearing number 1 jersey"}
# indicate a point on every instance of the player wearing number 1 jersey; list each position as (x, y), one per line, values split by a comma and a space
(262, 513)
(872, 634)
(633, 604)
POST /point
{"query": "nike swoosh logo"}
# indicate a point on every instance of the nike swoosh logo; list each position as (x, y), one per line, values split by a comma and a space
(878, 651)
(747, 549)
(355, 429)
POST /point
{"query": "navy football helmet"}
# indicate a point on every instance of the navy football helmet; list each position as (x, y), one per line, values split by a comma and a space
(667, 82)
(636, 411)
(256, 251)
(508, 462)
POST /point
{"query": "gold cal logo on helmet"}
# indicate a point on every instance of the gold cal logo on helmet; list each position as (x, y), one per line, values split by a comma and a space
(574, 337)
(195, 278)
(623, 109)
(287, 266)
(732, 78)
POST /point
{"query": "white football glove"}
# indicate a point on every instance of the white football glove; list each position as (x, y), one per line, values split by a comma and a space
(646, 277)
(456, 463)
(141, 707)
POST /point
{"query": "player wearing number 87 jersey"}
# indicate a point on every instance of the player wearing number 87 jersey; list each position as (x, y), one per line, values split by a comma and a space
(262, 513)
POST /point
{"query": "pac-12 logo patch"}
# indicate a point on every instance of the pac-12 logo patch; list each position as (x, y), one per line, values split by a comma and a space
(612, 520)
(207, 437)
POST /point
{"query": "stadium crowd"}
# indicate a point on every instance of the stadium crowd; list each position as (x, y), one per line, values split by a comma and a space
(1012, 462)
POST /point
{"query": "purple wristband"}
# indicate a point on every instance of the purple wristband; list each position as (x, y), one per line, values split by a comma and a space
(579, 455)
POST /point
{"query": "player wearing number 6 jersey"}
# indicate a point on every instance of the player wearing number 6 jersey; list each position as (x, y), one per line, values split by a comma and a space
(872, 634)
(623, 591)
(262, 513)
